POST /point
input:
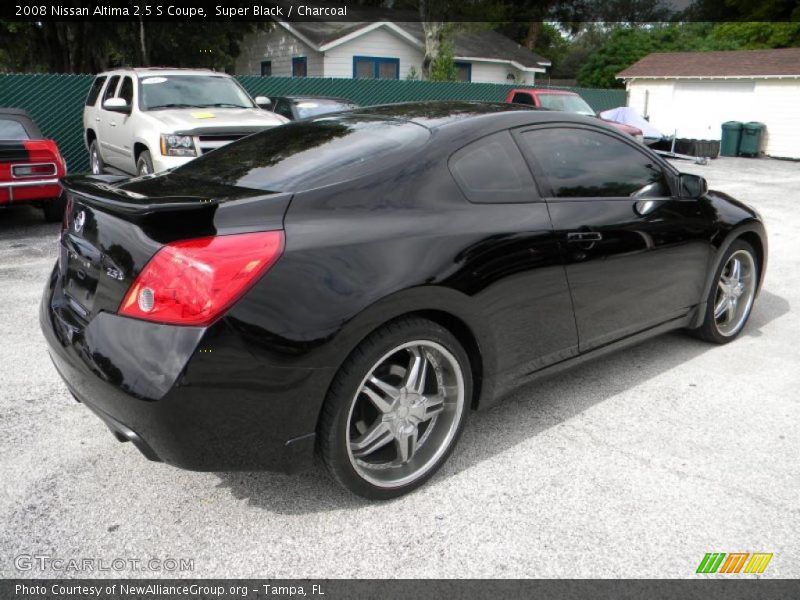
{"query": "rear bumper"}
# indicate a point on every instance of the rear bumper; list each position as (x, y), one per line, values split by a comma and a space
(19, 191)
(195, 398)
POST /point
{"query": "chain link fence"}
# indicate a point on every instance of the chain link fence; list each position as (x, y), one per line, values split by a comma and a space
(56, 101)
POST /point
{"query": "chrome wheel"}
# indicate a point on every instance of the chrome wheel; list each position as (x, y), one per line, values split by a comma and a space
(405, 414)
(735, 292)
(144, 168)
(94, 159)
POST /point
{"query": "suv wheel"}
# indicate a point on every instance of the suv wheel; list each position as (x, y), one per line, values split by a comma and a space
(95, 160)
(144, 164)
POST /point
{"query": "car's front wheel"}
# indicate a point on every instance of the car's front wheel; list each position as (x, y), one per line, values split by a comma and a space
(144, 164)
(396, 409)
(95, 159)
(731, 298)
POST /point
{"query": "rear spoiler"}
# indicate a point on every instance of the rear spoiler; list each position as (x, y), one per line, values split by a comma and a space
(101, 192)
(244, 208)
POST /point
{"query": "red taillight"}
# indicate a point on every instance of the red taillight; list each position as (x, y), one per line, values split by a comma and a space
(192, 282)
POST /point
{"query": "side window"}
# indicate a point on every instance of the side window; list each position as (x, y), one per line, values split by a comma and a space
(522, 98)
(493, 170)
(579, 163)
(94, 92)
(283, 109)
(126, 91)
(111, 88)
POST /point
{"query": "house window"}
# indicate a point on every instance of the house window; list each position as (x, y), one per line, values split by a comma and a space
(266, 68)
(371, 67)
(299, 66)
(463, 71)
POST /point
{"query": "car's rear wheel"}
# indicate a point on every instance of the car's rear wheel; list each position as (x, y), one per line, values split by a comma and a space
(396, 409)
(144, 164)
(95, 159)
(730, 300)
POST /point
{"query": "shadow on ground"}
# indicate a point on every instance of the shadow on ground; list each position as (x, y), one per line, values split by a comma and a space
(522, 415)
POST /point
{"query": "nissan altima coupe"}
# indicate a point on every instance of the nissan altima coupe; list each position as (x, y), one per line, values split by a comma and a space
(356, 284)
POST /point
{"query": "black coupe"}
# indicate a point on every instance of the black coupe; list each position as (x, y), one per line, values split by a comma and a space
(357, 283)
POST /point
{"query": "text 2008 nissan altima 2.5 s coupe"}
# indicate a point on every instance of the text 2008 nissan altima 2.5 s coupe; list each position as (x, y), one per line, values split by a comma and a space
(356, 284)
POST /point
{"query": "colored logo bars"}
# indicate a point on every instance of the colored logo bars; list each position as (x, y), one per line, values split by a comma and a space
(719, 562)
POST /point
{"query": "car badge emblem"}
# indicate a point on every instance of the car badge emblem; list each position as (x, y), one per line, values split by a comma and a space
(79, 221)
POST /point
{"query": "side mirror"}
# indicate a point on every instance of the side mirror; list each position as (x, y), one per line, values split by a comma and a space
(263, 102)
(692, 186)
(117, 105)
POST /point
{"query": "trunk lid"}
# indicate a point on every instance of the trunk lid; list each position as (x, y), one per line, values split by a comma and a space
(112, 227)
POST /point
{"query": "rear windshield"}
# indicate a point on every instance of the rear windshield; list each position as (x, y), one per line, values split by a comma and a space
(12, 130)
(308, 154)
(566, 102)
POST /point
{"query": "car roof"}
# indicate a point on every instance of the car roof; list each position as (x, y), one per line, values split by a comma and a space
(20, 115)
(468, 119)
(155, 71)
(546, 92)
(335, 98)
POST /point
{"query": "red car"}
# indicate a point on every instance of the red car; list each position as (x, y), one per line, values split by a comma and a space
(30, 165)
(566, 101)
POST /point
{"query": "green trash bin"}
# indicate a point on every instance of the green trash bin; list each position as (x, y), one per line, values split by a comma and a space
(752, 139)
(731, 137)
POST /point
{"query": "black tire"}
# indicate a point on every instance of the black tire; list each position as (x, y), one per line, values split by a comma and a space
(54, 209)
(711, 330)
(96, 163)
(343, 397)
(144, 164)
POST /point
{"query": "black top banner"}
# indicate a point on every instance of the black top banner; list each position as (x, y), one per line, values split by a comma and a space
(400, 10)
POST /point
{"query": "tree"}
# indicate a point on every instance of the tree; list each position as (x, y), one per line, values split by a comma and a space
(443, 66)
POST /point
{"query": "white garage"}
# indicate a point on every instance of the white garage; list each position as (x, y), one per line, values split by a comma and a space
(691, 94)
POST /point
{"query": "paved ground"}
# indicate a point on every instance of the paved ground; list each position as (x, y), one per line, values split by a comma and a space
(635, 465)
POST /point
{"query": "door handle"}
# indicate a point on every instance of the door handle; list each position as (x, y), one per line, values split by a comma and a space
(582, 237)
(97, 119)
(113, 124)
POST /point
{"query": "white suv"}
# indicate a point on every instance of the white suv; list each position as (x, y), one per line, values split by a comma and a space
(141, 121)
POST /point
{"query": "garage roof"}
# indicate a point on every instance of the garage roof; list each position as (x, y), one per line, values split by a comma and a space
(782, 62)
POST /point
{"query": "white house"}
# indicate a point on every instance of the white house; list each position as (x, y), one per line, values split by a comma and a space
(693, 93)
(380, 50)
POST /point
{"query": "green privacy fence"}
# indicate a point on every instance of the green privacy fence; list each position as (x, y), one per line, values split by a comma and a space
(56, 101)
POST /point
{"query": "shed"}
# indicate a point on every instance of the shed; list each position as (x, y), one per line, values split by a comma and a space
(693, 93)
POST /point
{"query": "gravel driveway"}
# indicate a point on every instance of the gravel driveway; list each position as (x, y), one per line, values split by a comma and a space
(634, 465)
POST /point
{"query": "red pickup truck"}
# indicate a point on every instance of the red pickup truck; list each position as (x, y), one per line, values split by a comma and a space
(566, 101)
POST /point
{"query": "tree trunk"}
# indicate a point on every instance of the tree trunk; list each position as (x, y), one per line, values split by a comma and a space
(145, 62)
(534, 29)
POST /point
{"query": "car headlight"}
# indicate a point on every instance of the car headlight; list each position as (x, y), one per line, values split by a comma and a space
(177, 145)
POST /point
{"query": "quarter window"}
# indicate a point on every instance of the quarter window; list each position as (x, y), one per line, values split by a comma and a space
(111, 88)
(522, 98)
(126, 91)
(579, 163)
(492, 170)
(94, 92)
